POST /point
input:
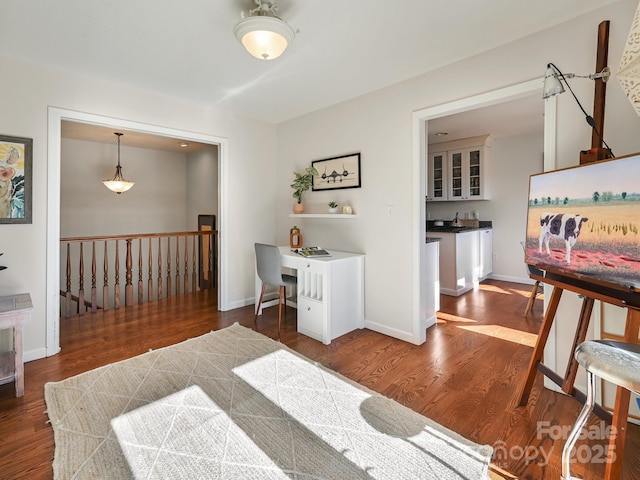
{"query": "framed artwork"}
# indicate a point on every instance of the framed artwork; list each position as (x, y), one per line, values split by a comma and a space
(337, 172)
(584, 222)
(15, 179)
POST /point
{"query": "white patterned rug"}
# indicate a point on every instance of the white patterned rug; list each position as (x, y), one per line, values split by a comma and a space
(235, 404)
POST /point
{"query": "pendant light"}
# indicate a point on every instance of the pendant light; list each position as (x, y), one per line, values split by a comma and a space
(263, 34)
(118, 184)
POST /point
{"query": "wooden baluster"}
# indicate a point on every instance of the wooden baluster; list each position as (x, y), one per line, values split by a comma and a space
(140, 287)
(68, 298)
(128, 286)
(201, 261)
(159, 268)
(194, 269)
(94, 294)
(177, 265)
(116, 292)
(168, 266)
(105, 284)
(185, 287)
(81, 284)
(150, 281)
(210, 267)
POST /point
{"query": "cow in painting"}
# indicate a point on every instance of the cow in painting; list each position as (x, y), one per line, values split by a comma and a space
(564, 226)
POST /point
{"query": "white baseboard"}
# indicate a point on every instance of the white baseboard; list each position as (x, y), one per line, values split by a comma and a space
(36, 354)
(507, 278)
(391, 332)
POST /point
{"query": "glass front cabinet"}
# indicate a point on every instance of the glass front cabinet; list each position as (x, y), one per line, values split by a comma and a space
(437, 177)
(458, 170)
(466, 174)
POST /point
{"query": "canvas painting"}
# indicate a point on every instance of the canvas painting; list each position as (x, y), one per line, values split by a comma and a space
(15, 179)
(586, 220)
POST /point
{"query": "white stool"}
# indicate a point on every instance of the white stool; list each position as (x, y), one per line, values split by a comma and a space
(616, 362)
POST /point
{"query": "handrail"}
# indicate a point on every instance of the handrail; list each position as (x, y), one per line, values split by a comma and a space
(194, 267)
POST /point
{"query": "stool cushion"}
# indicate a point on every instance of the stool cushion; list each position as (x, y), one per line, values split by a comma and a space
(616, 362)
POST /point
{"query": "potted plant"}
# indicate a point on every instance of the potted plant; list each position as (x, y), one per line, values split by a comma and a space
(302, 183)
(333, 207)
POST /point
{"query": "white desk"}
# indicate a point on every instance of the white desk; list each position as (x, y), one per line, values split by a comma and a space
(15, 312)
(330, 293)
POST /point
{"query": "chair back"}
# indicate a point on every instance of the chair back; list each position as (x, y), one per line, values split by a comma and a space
(269, 264)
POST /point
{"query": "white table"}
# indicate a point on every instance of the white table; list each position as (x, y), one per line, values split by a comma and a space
(15, 312)
(330, 293)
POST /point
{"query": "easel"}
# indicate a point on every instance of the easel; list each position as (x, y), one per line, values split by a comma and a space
(591, 291)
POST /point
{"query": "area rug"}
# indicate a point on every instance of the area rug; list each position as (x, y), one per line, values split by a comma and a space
(235, 404)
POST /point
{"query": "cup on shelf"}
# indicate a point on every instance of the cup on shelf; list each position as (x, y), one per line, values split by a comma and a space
(346, 209)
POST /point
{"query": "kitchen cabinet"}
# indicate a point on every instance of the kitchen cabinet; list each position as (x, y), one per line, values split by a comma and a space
(437, 177)
(485, 253)
(466, 259)
(466, 173)
(459, 170)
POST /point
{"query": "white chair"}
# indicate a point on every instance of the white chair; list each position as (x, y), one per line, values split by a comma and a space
(269, 267)
(615, 362)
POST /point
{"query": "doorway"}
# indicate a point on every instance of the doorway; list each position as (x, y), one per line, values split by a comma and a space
(424, 313)
(55, 118)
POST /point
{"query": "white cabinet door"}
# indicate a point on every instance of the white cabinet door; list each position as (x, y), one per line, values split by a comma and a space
(437, 177)
(466, 174)
(486, 254)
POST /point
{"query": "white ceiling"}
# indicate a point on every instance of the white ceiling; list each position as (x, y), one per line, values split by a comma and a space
(344, 48)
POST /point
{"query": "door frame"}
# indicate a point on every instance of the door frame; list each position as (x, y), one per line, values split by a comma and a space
(422, 316)
(55, 118)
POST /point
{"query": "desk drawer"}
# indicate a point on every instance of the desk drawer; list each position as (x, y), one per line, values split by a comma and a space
(311, 317)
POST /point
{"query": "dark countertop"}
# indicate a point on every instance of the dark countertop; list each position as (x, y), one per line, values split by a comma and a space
(432, 239)
(447, 228)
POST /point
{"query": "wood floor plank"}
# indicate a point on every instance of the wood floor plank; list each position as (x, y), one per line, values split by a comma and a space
(466, 376)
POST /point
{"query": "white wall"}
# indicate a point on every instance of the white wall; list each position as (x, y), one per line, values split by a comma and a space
(25, 96)
(202, 185)
(513, 159)
(379, 126)
(157, 202)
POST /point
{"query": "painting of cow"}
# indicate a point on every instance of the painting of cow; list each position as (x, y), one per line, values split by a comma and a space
(584, 221)
(564, 226)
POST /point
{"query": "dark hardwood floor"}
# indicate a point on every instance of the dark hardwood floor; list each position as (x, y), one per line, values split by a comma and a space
(466, 376)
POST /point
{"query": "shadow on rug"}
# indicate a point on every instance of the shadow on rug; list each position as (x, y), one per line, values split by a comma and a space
(236, 404)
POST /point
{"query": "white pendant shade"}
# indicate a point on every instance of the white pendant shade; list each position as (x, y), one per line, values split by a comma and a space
(265, 36)
(118, 184)
(629, 70)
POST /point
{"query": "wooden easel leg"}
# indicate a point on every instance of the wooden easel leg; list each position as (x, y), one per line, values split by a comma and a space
(613, 469)
(532, 297)
(538, 350)
(581, 334)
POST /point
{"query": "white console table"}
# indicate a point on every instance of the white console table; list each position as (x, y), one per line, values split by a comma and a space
(15, 312)
(330, 293)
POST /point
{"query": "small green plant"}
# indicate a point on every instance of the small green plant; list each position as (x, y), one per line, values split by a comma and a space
(302, 182)
(333, 204)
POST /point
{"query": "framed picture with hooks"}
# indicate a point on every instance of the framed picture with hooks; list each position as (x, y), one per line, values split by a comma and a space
(337, 172)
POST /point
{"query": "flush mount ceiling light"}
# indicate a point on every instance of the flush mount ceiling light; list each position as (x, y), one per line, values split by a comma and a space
(263, 34)
(118, 184)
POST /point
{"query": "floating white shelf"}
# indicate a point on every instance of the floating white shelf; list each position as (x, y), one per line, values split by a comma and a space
(323, 215)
